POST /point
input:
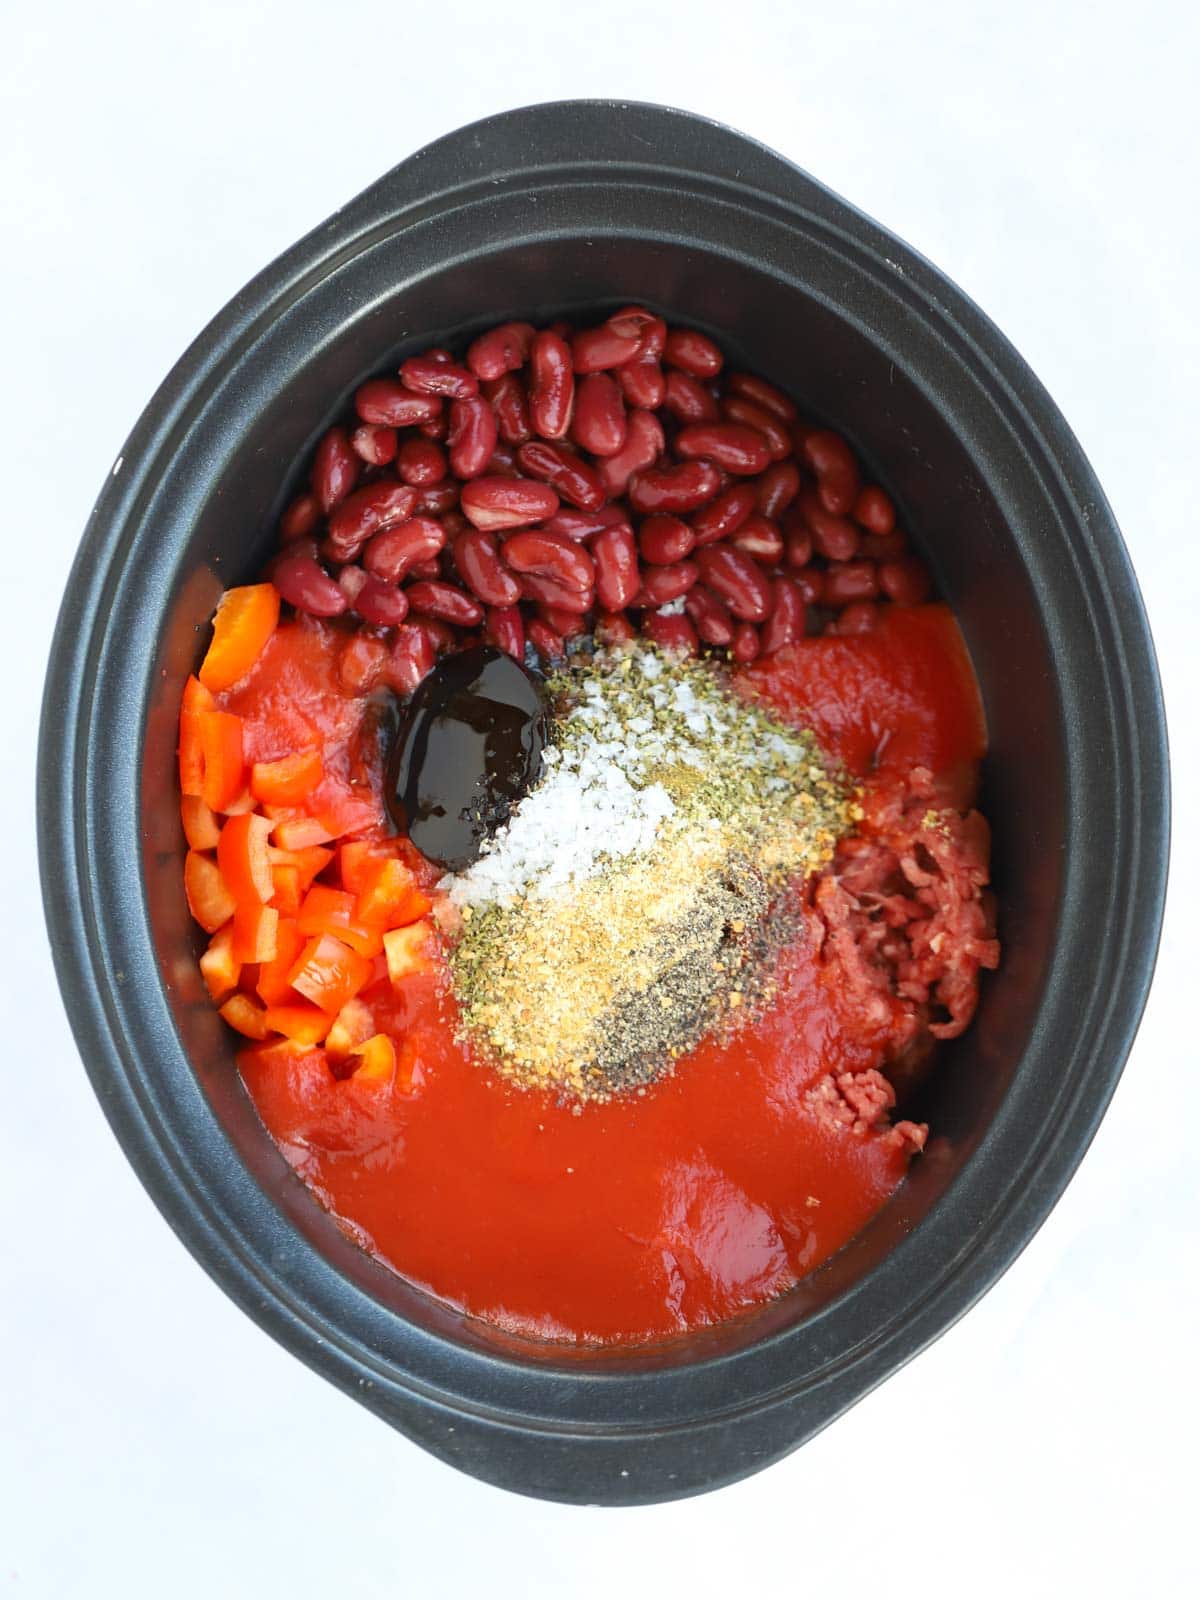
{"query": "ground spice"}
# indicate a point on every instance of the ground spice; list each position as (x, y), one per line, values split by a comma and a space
(632, 902)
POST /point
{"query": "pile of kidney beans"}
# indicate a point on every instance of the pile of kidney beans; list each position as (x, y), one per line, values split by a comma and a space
(561, 482)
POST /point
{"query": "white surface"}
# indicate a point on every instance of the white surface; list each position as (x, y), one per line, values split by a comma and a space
(152, 1440)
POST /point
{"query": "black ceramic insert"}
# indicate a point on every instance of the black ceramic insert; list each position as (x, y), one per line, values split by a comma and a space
(565, 209)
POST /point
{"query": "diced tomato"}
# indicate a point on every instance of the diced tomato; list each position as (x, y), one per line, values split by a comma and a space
(300, 1021)
(288, 894)
(351, 1027)
(196, 701)
(378, 1059)
(255, 931)
(200, 825)
(274, 989)
(246, 1016)
(327, 910)
(218, 965)
(287, 781)
(389, 895)
(410, 1068)
(309, 862)
(224, 769)
(329, 973)
(245, 620)
(208, 896)
(243, 859)
(300, 833)
(411, 951)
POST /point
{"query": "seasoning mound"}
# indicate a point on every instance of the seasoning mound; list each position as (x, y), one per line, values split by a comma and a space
(632, 902)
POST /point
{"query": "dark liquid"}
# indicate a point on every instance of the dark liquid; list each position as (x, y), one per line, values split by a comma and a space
(468, 746)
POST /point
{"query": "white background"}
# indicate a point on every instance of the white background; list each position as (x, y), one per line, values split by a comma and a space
(153, 156)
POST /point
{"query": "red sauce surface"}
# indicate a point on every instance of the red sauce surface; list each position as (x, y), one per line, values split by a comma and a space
(717, 1188)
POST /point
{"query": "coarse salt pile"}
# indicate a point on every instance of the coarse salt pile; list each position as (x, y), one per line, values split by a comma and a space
(614, 916)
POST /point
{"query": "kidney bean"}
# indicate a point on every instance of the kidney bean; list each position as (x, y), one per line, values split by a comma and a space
(421, 462)
(496, 503)
(642, 383)
(874, 547)
(552, 386)
(738, 449)
(858, 617)
(472, 436)
(710, 616)
(568, 624)
(504, 627)
(674, 489)
(639, 324)
(503, 462)
(388, 402)
(445, 603)
(798, 545)
(500, 350)
(759, 537)
(507, 398)
(436, 499)
(569, 474)
(548, 644)
(393, 554)
(441, 635)
(745, 646)
(830, 457)
(361, 663)
(549, 591)
(562, 329)
(374, 444)
(734, 408)
(906, 582)
(366, 512)
(581, 525)
(777, 488)
(664, 539)
(874, 511)
(599, 421)
(615, 557)
(846, 581)
(477, 557)
(692, 352)
(644, 443)
(300, 519)
(810, 584)
(431, 570)
(412, 657)
(673, 633)
(304, 583)
(381, 603)
(613, 628)
(835, 538)
(550, 555)
(439, 354)
(785, 625)
(687, 399)
(350, 580)
(761, 393)
(599, 349)
(436, 428)
(725, 514)
(453, 523)
(334, 470)
(426, 376)
(661, 585)
(635, 322)
(735, 578)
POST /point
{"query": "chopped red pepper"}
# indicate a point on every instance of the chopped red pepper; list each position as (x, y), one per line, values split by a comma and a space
(287, 781)
(327, 910)
(244, 860)
(208, 896)
(329, 973)
(245, 620)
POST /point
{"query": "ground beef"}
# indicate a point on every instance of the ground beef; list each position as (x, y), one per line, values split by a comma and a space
(904, 916)
(861, 1102)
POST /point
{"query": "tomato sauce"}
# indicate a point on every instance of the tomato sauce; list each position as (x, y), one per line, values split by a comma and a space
(711, 1191)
